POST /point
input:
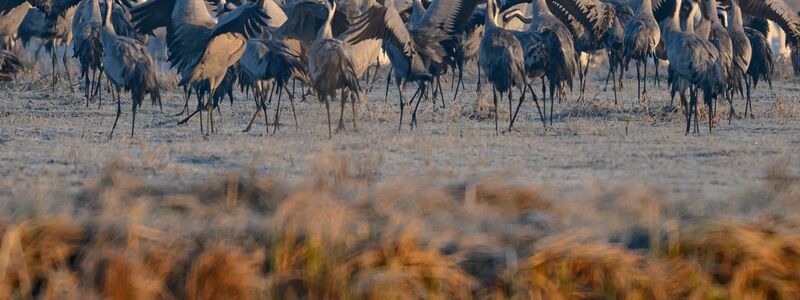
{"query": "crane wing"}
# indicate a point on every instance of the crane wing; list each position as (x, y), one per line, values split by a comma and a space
(381, 23)
(248, 20)
(774, 10)
(151, 15)
(594, 16)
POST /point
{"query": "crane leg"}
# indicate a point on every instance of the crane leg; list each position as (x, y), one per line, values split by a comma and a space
(119, 112)
(353, 100)
(494, 100)
(441, 93)
(54, 69)
(656, 63)
(133, 120)
(278, 109)
(519, 104)
(328, 110)
(210, 108)
(459, 84)
(638, 81)
(422, 93)
(291, 102)
(343, 100)
(747, 103)
(614, 87)
(552, 101)
(66, 70)
(644, 91)
(388, 81)
(255, 115)
(539, 109)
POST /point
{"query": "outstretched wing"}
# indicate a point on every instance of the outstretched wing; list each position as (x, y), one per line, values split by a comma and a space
(774, 10)
(594, 16)
(381, 23)
(248, 19)
(151, 15)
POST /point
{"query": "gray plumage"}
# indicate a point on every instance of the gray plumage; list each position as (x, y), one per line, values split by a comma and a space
(129, 67)
(502, 60)
(87, 46)
(642, 36)
(331, 69)
(694, 61)
(272, 61)
(742, 51)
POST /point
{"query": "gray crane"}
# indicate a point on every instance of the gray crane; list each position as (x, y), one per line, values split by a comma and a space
(331, 69)
(502, 61)
(54, 33)
(762, 61)
(128, 66)
(224, 46)
(695, 61)
(742, 52)
(418, 48)
(544, 22)
(9, 65)
(266, 60)
(87, 45)
(722, 41)
(642, 35)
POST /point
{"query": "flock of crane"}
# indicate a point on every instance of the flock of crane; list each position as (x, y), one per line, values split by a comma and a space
(714, 48)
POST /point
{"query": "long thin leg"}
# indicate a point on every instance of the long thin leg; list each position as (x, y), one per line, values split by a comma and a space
(494, 97)
(389, 80)
(441, 94)
(656, 63)
(638, 81)
(278, 110)
(294, 113)
(353, 98)
(328, 110)
(264, 109)
(416, 105)
(519, 104)
(255, 115)
(459, 83)
(343, 100)
(747, 103)
(552, 101)
(644, 90)
(133, 121)
(119, 112)
(66, 69)
(53, 57)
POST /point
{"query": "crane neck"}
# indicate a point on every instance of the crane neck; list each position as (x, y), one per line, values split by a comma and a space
(325, 31)
(108, 26)
(690, 19)
(221, 8)
(418, 11)
(735, 16)
(539, 8)
(712, 11)
(94, 10)
(646, 7)
(674, 22)
(491, 15)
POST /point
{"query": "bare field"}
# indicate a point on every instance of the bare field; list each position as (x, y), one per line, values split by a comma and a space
(49, 135)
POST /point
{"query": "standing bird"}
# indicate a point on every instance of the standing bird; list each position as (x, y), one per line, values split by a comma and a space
(128, 66)
(223, 48)
(722, 41)
(9, 65)
(270, 60)
(331, 69)
(501, 57)
(762, 61)
(642, 35)
(742, 53)
(87, 45)
(561, 72)
(696, 62)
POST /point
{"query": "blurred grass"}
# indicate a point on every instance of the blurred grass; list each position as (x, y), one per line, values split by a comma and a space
(344, 234)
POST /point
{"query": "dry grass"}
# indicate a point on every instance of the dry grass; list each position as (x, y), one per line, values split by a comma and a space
(342, 235)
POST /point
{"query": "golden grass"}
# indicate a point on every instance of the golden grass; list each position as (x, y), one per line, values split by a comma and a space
(343, 234)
